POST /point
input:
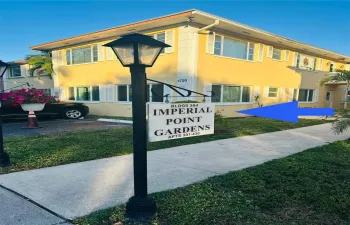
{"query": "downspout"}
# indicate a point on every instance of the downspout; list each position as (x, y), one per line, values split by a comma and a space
(209, 26)
(195, 52)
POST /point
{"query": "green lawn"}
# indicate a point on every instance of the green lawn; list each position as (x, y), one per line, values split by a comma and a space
(56, 149)
(311, 187)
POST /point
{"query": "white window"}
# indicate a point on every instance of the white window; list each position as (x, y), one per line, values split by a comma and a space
(276, 54)
(286, 56)
(124, 93)
(47, 91)
(82, 55)
(15, 71)
(306, 95)
(84, 93)
(155, 93)
(160, 37)
(230, 93)
(273, 92)
(233, 48)
(68, 57)
(261, 53)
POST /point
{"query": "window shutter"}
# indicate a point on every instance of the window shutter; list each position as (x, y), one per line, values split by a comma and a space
(290, 94)
(102, 90)
(207, 91)
(316, 94)
(282, 93)
(54, 57)
(100, 52)
(210, 43)
(320, 65)
(256, 91)
(286, 56)
(110, 54)
(110, 92)
(168, 91)
(169, 39)
(270, 52)
(266, 91)
(62, 94)
(59, 58)
(295, 59)
(23, 70)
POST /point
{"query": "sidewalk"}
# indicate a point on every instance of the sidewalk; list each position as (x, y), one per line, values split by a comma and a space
(15, 210)
(78, 189)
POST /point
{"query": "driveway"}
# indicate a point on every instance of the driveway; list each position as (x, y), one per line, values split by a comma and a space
(16, 128)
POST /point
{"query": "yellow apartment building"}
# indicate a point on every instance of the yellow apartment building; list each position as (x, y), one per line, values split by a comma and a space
(208, 54)
(17, 76)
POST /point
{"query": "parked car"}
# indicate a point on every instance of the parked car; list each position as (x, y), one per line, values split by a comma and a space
(68, 110)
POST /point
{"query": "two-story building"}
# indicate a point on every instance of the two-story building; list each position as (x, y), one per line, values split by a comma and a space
(208, 53)
(17, 76)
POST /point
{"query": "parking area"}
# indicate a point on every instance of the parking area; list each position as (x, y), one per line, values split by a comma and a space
(17, 127)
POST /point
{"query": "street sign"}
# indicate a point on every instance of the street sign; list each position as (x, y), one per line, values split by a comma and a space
(180, 120)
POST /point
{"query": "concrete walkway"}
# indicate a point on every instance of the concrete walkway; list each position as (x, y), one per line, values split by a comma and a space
(78, 189)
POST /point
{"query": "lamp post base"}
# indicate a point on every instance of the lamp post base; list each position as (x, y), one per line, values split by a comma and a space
(141, 209)
(4, 159)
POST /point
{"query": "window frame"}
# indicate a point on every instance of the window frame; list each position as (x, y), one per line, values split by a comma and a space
(222, 39)
(307, 95)
(127, 94)
(11, 71)
(273, 49)
(277, 93)
(150, 92)
(221, 102)
(75, 94)
(155, 36)
(70, 50)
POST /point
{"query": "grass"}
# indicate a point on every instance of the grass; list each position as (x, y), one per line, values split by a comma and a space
(311, 187)
(56, 149)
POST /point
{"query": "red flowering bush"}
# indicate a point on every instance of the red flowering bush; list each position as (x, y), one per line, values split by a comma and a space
(27, 96)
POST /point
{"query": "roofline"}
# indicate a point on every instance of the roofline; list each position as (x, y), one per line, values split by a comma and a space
(262, 31)
(183, 13)
(186, 13)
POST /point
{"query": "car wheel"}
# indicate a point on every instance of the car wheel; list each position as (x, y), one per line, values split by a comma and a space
(72, 114)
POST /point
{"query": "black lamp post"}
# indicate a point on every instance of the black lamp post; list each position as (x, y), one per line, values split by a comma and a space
(4, 157)
(138, 51)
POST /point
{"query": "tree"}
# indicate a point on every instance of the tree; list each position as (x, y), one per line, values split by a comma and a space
(40, 63)
(343, 123)
(339, 76)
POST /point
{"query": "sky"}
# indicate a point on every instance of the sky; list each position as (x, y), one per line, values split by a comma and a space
(324, 24)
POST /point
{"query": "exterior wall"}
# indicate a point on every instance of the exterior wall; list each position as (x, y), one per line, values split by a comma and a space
(213, 69)
(111, 72)
(190, 66)
(39, 82)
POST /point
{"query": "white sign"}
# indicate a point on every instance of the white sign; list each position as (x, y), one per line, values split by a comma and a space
(181, 120)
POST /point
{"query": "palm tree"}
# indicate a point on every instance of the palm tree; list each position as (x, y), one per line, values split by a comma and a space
(40, 63)
(339, 76)
(343, 123)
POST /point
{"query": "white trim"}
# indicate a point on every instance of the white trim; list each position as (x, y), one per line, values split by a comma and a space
(286, 56)
(261, 53)
(210, 45)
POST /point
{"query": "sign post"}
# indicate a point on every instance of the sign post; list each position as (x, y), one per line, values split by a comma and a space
(179, 120)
